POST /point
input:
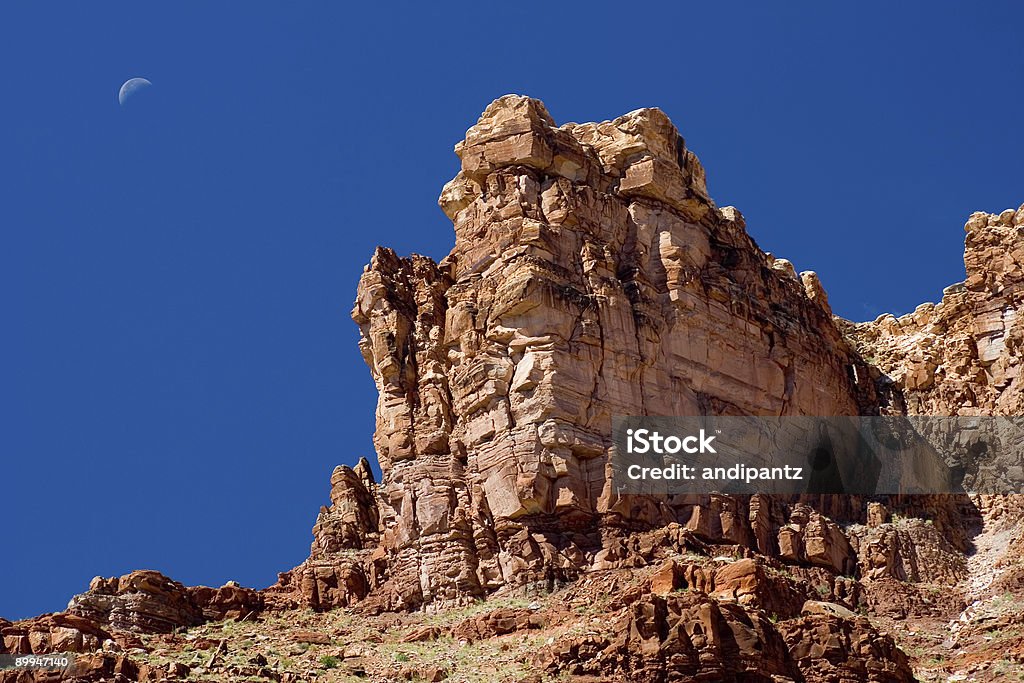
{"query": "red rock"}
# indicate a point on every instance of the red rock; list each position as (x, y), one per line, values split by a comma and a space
(313, 637)
(146, 601)
(666, 579)
(143, 601)
(498, 622)
(686, 634)
(578, 250)
(833, 648)
(230, 601)
(60, 632)
(422, 634)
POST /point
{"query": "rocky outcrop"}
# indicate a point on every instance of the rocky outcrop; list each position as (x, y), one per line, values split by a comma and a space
(143, 601)
(146, 601)
(60, 632)
(351, 520)
(911, 550)
(230, 601)
(691, 636)
(748, 582)
(961, 356)
(344, 558)
(100, 667)
(591, 276)
(108, 619)
(831, 645)
(677, 638)
(812, 538)
(498, 622)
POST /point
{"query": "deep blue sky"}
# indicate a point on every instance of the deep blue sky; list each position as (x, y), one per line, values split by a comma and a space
(178, 373)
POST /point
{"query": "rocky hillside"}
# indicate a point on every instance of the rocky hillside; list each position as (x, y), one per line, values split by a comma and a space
(592, 275)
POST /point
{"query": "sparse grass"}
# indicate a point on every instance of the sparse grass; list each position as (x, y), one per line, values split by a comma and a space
(917, 652)
(597, 605)
(1004, 600)
(784, 572)
(503, 659)
(1006, 633)
(1007, 667)
(470, 662)
(691, 557)
(452, 616)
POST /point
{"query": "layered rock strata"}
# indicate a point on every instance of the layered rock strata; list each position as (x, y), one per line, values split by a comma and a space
(346, 558)
(961, 356)
(107, 620)
(146, 601)
(591, 276)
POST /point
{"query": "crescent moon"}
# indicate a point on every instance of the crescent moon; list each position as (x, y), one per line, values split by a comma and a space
(129, 88)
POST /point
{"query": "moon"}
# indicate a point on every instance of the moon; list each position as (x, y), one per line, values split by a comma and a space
(129, 88)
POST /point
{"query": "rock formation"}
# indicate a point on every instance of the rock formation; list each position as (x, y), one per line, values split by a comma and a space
(592, 275)
(149, 602)
(961, 356)
(337, 573)
(108, 619)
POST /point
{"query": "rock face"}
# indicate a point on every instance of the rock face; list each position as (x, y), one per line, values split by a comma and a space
(341, 566)
(351, 521)
(52, 633)
(677, 638)
(591, 276)
(110, 618)
(962, 355)
(146, 601)
(143, 601)
(692, 636)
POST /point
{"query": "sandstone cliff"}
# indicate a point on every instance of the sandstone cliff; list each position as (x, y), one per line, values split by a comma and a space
(961, 356)
(592, 275)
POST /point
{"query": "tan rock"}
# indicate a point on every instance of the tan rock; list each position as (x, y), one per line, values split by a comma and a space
(960, 356)
(143, 601)
(827, 609)
(312, 637)
(877, 514)
(583, 284)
